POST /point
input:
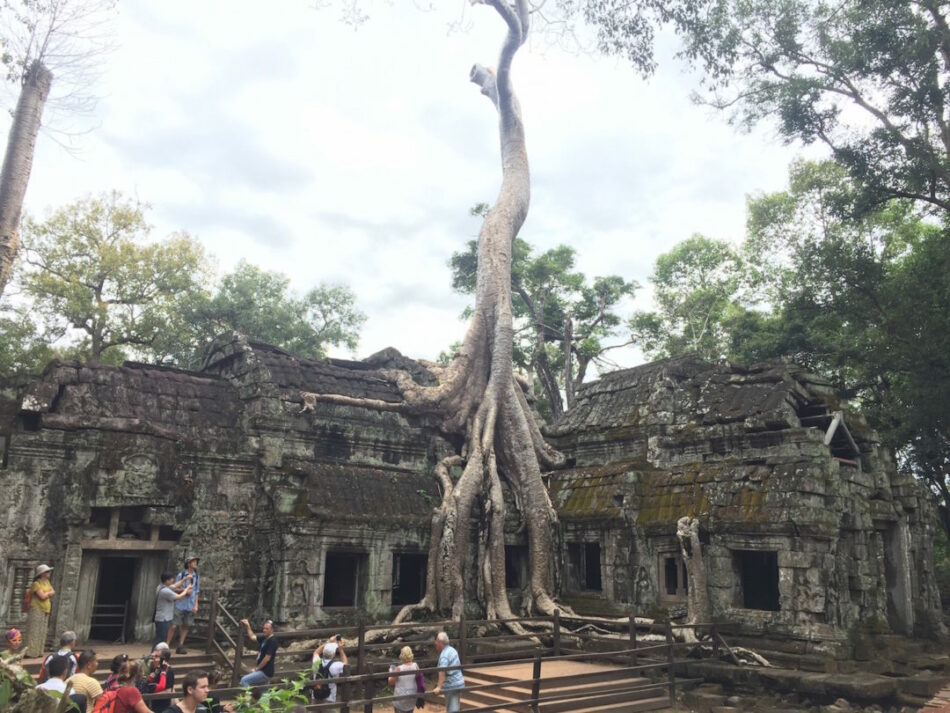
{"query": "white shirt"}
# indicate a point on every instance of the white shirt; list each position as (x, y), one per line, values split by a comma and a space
(56, 685)
(336, 668)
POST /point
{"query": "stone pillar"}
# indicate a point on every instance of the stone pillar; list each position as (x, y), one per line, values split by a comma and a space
(86, 594)
(142, 605)
(63, 616)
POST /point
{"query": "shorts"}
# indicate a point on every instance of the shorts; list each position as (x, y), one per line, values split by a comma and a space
(183, 618)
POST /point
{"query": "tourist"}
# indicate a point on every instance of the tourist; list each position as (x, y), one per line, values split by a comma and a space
(264, 668)
(327, 668)
(186, 607)
(195, 690)
(82, 681)
(38, 608)
(66, 644)
(161, 676)
(403, 683)
(112, 682)
(213, 703)
(166, 594)
(55, 684)
(451, 680)
(14, 641)
(126, 697)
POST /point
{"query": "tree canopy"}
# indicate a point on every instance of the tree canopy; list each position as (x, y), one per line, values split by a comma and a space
(563, 321)
(94, 286)
(867, 78)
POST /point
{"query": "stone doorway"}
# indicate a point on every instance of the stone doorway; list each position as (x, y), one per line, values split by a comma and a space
(113, 595)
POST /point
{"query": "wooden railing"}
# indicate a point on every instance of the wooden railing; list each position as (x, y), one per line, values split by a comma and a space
(624, 643)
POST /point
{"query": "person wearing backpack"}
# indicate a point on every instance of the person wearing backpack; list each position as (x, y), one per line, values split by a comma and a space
(325, 668)
(264, 668)
(126, 698)
(37, 606)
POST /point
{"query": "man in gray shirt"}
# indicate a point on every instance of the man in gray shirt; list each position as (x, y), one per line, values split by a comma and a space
(167, 593)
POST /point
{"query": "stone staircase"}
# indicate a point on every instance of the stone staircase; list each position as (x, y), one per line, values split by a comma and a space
(571, 686)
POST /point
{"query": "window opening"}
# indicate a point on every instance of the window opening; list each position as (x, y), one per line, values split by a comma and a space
(583, 564)
(344, 578)
(672, 575)
(409, 577)
(758, 579)
(21, 577)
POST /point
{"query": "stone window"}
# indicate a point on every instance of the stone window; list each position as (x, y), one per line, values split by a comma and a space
(409, 577)
(674, 584)
(757, 579)
(516, 566)
(583, 566)
(21, 576)
(344, 581)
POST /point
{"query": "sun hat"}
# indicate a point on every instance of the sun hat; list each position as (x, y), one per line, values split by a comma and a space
(41, 569)
(329, 651)
(190, 558)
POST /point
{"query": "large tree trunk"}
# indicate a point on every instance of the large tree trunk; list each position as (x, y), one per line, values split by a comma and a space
(697, 602)
(479, 396)
(18, 161)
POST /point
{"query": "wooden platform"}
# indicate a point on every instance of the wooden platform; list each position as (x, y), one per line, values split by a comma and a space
(565, 686)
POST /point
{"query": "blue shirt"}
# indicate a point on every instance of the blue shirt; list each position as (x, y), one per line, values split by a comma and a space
(188, 603)
(453, 678)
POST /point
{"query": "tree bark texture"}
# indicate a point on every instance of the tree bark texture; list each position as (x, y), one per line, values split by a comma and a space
(18, 161)
(479, 396)
(697, 599)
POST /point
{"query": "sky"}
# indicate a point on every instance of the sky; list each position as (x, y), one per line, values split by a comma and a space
(275, 133)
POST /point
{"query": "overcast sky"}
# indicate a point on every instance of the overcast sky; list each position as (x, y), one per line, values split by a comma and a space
(272, 132)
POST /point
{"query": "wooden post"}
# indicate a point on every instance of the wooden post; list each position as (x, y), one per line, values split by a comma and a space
(343, 692)
(212, 622)
(633, 640)
(669, 658)
(536, 682)
(557, 632)
(238, 659)
(361, 648)
(463, 640)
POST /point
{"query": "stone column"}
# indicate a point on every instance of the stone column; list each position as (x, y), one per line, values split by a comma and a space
(86, 594)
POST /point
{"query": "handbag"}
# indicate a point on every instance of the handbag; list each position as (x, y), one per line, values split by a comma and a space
(420, 688)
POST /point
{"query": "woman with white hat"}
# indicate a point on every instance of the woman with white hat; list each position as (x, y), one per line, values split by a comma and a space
(38, 605)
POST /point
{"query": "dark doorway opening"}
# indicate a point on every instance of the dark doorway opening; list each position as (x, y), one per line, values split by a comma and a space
(516, 566)
(113, 598)
(758, 579)
(343, 578)
(409, 577)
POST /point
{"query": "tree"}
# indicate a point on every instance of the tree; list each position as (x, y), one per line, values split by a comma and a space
(479, 396)
(40, 37)
(96, 280)
(561, 321)
(863, 301)
(867, 78)
(697, 289)
(260, 305)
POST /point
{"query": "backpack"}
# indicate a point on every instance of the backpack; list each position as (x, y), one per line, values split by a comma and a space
(106, 702)
(27, 599)
(321, 676)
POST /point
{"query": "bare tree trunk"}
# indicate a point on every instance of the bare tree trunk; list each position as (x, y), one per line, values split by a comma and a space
(18, 161)
(697, 603)
(478, 395)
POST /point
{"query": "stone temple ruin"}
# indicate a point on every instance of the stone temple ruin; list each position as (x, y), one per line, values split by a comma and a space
(313, 512)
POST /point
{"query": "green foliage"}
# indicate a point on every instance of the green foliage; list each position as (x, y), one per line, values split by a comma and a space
(276, 700)
(95, 287)
(697, 293)
(557, 310)
(867, 78)
(260, 305)
(97, 281)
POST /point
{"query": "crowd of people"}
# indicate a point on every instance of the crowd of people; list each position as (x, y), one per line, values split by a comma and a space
(63, 672)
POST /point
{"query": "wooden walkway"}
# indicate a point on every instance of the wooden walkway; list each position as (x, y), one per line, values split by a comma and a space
(939, 703)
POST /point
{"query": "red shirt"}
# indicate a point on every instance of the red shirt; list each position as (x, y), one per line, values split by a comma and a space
(126, 699)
